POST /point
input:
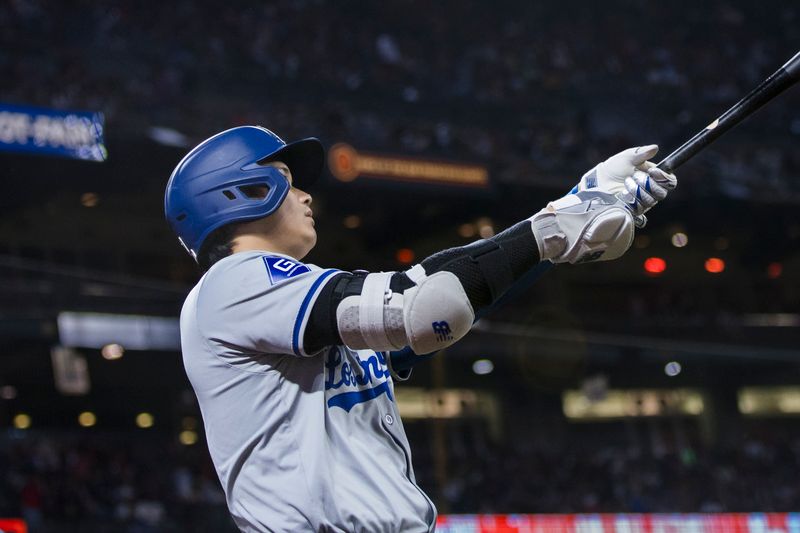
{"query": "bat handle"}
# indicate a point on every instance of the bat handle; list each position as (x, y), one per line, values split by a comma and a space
(670, 163)
(666, 165)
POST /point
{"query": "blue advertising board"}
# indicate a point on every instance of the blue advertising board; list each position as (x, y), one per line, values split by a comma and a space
(75, 134)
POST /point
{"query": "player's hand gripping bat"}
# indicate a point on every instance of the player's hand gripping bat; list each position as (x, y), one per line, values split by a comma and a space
(782, 79)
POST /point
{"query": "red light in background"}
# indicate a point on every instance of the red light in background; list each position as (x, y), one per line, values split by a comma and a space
(654, 266)
(404, 255)
(774, 270)
(715, 265)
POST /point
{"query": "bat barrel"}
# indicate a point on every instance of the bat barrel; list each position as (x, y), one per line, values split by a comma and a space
(792, 67)
(781, 80)
(784, 78)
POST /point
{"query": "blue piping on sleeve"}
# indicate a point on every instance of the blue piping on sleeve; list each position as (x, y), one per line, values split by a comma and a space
(301, 314)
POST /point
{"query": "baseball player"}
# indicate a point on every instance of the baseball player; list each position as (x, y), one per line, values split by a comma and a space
(292, 364)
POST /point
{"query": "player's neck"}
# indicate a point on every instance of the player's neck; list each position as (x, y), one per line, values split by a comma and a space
(255, 242)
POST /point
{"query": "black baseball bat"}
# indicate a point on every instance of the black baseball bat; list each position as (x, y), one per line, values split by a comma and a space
(782, 79)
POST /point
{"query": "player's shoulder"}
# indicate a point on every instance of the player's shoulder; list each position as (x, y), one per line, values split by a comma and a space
(246, 282)
(255, 269)
(257, 259)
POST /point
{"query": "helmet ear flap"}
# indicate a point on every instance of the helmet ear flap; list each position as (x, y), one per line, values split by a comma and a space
(224, 210)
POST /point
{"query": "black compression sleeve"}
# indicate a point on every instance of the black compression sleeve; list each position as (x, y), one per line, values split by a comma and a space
(508, 254)
(321, 329)
(485, 268)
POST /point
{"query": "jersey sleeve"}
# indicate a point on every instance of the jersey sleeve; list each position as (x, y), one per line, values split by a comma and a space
(258, 304)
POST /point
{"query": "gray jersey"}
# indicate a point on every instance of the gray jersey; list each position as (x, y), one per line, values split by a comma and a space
(300, 441)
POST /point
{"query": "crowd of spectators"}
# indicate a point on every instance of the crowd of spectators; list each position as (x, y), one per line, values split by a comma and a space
(676, 305)
(109, 483)
(63, 483)
(535, 90)
(606, 469)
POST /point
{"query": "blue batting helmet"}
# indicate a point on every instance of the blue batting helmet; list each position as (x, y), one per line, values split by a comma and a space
(222, 180)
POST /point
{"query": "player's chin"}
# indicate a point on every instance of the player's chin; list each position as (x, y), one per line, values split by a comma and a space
(310, 240)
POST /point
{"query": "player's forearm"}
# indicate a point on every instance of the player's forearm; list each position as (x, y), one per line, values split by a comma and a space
(433, 304)
(484, 270)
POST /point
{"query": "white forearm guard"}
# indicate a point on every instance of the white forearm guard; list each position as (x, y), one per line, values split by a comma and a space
(429, 316)
(583, 227)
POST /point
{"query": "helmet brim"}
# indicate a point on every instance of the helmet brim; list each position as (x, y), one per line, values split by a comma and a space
(304, 158)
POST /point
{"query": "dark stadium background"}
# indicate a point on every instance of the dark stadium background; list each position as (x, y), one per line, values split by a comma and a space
(535, 92)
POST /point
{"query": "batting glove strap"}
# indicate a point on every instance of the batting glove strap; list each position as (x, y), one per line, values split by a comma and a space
(643, 190)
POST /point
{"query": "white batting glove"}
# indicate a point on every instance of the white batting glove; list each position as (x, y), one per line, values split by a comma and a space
(632, 178)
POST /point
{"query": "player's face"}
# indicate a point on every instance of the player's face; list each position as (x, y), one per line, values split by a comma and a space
(292, 224)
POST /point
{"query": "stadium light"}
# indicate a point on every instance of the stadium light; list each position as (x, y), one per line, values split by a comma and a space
(774, 270)
(90, 199)
(87, 419)
(467, 230)
(22, 421)
(655, 266)
(144, 420)
(112, 351)
(714, 265)
(188, 437)
(405, 255)
(485, 227)
(672, 369)
(679, 240)
(351, 221)
(482, 367)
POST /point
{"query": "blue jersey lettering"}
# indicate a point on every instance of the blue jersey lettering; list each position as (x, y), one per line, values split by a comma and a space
(372, 372)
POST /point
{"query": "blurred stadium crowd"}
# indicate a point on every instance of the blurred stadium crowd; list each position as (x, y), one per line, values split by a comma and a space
(514, 88)
(655, 469)
(538, 97)
(142, 485)
(107, 483)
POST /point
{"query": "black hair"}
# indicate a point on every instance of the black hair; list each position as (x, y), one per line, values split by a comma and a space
(218, 245)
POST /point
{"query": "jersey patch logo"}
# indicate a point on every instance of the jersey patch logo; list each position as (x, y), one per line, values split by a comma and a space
(280, 268)
(369, 377)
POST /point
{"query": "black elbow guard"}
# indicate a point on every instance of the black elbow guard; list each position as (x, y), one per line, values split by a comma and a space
(321, 329)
